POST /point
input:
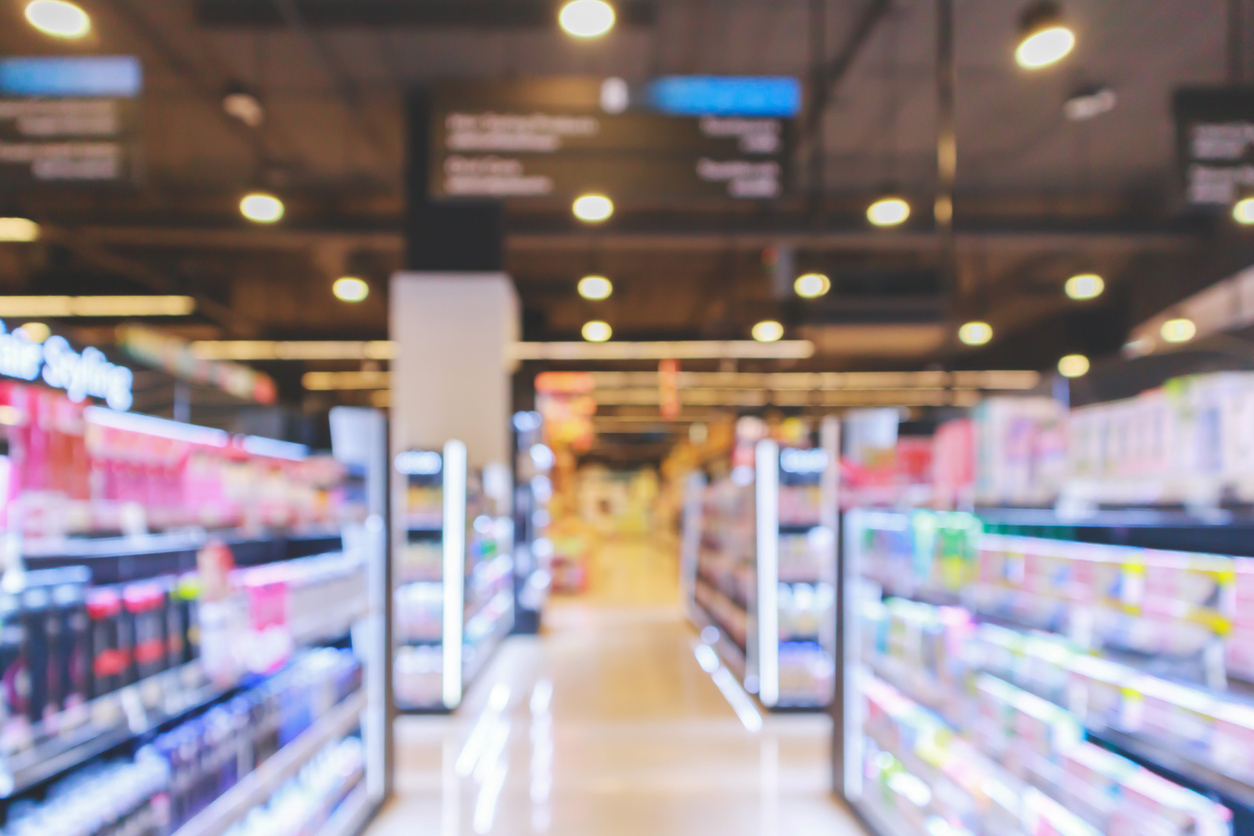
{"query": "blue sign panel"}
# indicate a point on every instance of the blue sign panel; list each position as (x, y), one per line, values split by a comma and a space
(92, 76)
(774, 97)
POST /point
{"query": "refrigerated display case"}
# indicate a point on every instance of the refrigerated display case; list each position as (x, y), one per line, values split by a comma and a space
(186, 681)
(762, 570)
(1002, 683)
(454, 571)
(533, 550)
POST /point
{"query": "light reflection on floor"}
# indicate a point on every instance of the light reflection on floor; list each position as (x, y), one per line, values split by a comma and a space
(608, 725)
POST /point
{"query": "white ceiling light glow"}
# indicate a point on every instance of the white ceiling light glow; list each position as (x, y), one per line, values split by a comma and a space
(1085, 286)
(350, 289)
(812, 285)
(1045, 37)
(597, 331)
(888, 211)
(262, 208)
(975, 333)
(593, 208)
(58, 18)
(587, 18)
(768, 331)
(595, 288)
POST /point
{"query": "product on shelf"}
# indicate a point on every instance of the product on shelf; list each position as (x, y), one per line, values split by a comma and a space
(78, 469)
(185, 769)
(306, 802)
(1058, 647)
(1020, 449)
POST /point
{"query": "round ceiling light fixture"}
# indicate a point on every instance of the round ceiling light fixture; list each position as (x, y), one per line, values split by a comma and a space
(241, 104)
(586, 18)
(1073, 365)
(1243, 211)
(888, 211)
(1089, 103)
(1178, 330)
(768, 331)
(593, 208)
(18, 230)
(975, 333)
(350, 289)
(597, 331)
(1044, 38)
(261, 207)
(58, 18)
(595, 288)
(1085, 286)
(812, 285)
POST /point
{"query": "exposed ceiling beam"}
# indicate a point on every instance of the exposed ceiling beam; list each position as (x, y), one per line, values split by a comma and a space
(151, 278)
(522, 241)
(346, 89)
(463, 14)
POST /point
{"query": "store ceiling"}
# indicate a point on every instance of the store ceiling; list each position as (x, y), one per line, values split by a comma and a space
(1038, 197)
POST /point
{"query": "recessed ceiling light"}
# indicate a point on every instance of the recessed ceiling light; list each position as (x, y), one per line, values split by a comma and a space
(18, 230)
(812, 285)
(593, 208)
(975, 333)
(595, 288)
(597, 331)
(1073, 365)
(1243, 211)
(1089, 103)
(239, 103)
(261, 208)
(1178, 330)
(350, 289)
(768, 331)
(58, 18)
(888, 211)
(587, 18)
(1085, 286)
(1045, 36)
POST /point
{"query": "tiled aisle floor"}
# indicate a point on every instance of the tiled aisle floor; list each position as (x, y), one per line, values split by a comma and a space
(606, 726)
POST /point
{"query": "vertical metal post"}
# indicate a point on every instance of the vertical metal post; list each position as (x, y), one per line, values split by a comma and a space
(818, 72)
(946, 151)
(1236, 42)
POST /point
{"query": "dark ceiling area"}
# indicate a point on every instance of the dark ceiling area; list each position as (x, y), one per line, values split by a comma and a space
(1038, 197)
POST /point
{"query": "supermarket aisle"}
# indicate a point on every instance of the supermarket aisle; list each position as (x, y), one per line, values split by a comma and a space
(606, 725)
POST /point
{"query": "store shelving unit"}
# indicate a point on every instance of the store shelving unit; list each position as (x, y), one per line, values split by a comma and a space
(454, 573)
(762, 570)
(948, 631)
(279, 591)
(259, 785)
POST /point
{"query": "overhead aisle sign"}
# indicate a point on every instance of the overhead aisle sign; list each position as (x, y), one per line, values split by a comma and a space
(675, 137)
(69, 120)
(1215, 144)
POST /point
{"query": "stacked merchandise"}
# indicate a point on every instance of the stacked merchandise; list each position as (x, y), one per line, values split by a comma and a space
(309, 800)
(1024, 645)
(184, 770)
(487, 588)
(85, 665)
(534, 569)
(769, 592)
(76, 469)
(726, 559)
(418, 567)
(806, 581)
(1189, 442)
